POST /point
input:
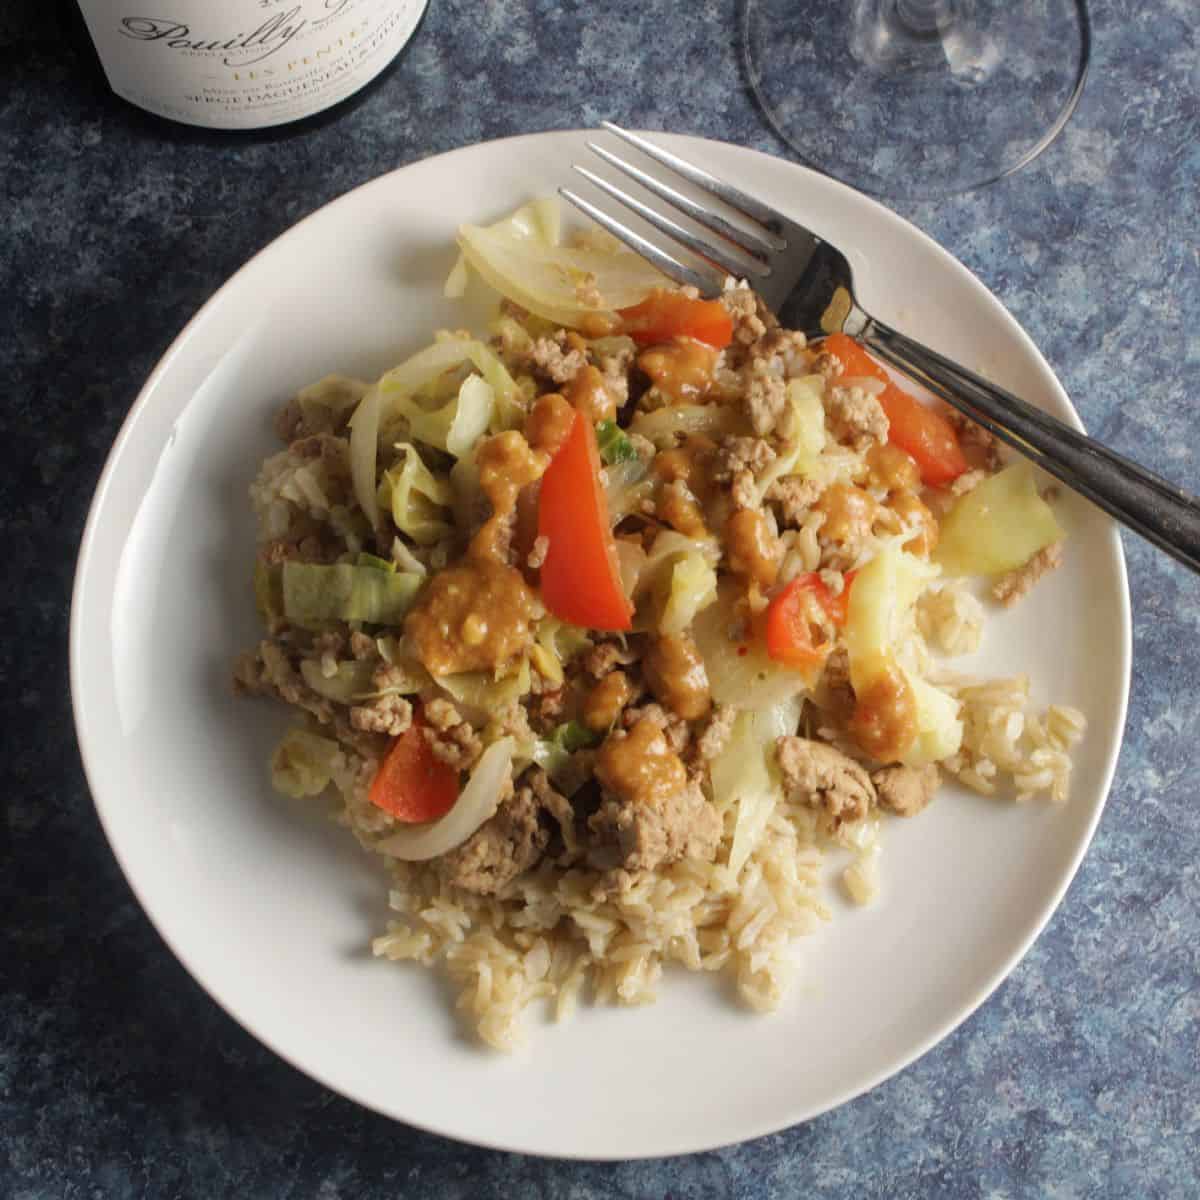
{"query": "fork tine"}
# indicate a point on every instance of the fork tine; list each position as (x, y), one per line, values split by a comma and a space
(756, 210)
(709, 282)
(672, 229)
(752, 243)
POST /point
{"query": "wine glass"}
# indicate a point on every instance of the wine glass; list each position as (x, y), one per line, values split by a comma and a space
(917, 99)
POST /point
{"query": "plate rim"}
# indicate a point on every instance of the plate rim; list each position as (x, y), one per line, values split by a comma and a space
(677, 1145)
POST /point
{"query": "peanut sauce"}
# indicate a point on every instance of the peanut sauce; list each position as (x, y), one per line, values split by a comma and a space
(682, 368)
(640, 767)
(479, 614)
(692, 463)
(884, 723)
(678, 507)
(675, 674)
(604, 702)
(589, 394)
(753, 551)
(549, 422)
(892, 469)
(849, 512)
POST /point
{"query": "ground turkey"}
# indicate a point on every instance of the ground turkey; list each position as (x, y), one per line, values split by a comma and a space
(823, 777)
(905, 790)
(650, 814)
(502, 848)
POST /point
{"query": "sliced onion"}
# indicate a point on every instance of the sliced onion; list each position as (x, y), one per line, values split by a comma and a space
(550, 280)
(476, 804)
(364, 447)
(663, 424)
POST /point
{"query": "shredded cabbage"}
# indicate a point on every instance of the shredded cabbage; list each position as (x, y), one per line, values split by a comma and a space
(455, 287)
(541, 220)
(373, 560)
(555, 644)
(458, 424)
(480, 691)
(410, 675)
(740, 672)
(881, 602)
(318, 592)
(268, 592)
(417, 373)
(349, 682)
(303, 763)
(663, 425)
(327, 401)
(939, 729)
(745, 775)
(997, 526)
(364, 451)
(471, 506)
(631, 560)
(417, 498)
(553, 754)
(562, 284)
(804, 431)
(405, 559)
(692, 588)
(626, 485)
(667, 548)
(353, 682)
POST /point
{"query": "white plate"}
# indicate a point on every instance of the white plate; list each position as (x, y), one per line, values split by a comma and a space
(272, 910)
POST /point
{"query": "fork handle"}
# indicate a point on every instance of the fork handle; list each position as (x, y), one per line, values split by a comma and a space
(1161, 512)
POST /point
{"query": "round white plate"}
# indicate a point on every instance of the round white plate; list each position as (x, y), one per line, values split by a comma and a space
(272, 909)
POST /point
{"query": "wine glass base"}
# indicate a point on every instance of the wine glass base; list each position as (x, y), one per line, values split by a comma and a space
(917, 98)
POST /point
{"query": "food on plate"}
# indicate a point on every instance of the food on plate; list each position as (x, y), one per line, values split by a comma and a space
(613, 628)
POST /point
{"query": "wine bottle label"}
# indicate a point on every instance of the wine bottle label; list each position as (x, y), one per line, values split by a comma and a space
(245, 64)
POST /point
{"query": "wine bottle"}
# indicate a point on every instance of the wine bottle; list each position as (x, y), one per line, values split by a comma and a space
(246, 64)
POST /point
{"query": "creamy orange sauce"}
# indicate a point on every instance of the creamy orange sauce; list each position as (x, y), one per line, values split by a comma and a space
(640, 767)
(506, 465)
(549, 422)
(885, 715)
(479, 614)
(849, 512)
(752, 550)
(675, 674)
(603, 704)
(892, 469)
(678, 507)
(692, 462)
(682, 367)
(599, 324)
(589, 394)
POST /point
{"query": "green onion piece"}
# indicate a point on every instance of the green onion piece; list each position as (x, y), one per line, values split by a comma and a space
(572, 736)
(615, 446)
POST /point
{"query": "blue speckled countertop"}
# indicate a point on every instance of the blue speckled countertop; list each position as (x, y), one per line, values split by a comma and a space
(120, 1078)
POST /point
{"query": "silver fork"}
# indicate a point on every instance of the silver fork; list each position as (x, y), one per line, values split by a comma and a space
(808, 284)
